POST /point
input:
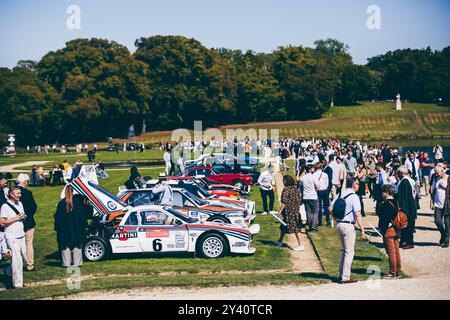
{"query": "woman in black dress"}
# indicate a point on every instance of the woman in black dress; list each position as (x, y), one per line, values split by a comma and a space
(70, 227)
(290, 212)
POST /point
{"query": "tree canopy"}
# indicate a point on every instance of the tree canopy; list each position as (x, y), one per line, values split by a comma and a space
(95, 88)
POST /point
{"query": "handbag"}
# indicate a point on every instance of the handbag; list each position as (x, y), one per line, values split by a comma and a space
(302, 212)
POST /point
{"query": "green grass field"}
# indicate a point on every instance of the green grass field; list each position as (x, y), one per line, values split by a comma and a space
(269, 265)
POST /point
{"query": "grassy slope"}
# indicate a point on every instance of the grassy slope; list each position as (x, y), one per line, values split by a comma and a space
(366, 121)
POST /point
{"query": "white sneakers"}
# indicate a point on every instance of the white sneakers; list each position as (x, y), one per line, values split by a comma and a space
(274, 212)
(264, 213)
(299, 248)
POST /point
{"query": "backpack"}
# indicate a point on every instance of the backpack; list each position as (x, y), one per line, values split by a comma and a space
(339, 207)
(400, 221)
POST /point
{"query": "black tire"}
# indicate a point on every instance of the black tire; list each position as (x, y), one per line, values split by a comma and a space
(96, 249)
(212, 246)
(239, 183)
(219, 219)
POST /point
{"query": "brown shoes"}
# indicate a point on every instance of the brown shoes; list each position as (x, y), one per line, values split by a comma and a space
(348, 281)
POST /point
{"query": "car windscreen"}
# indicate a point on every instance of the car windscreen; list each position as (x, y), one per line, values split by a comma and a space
(180, 216)
(195, 199)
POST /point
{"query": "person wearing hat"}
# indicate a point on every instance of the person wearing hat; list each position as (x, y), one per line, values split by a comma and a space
(30, 207)
(3, 198)
(164, 191)
(135, 180)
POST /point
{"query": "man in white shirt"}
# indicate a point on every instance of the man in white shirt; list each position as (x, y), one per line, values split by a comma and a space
(322, 192)
(266, 183)
(11, 217)
(336, 172)
(442, 221)
(413, 165)
(164, 191)
(342, 174)
(309, 186)
(345, 228)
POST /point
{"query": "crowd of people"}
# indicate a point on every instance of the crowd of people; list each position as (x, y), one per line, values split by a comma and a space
(330, 179)
(329, 171)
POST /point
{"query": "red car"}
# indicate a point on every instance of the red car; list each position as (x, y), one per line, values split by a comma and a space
(214, 189)
(235, 179)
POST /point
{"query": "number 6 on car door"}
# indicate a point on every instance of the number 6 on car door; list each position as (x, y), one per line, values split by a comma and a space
(159, 232)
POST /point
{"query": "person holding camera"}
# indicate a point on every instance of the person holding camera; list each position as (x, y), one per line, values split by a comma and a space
(12, 216)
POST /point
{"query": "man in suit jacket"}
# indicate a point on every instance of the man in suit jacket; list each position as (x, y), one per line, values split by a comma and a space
(407, 203)
(30, 207)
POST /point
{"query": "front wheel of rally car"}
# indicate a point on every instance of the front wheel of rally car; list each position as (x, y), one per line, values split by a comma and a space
(218, 219)
(239, 184)
(96, 249)
(212, 246)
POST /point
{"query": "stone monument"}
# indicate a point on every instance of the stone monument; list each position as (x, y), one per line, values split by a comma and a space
(398, 103)
(11, 148)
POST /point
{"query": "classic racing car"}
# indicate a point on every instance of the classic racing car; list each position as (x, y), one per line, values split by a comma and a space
(215, 189)
(118, 228)
(192, 206)
(202, 193)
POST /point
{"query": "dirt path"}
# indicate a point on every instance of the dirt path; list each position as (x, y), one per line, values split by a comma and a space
(11, 167)
(404, 289)
(302, 261)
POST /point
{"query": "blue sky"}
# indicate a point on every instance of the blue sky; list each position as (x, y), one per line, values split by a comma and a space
(29, 29)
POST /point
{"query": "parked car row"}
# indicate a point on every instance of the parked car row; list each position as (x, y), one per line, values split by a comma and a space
(208, 219)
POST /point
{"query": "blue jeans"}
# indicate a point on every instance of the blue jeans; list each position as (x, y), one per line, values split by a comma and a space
(324, 203)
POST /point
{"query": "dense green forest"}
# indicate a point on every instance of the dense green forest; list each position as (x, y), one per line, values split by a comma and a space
(95, 88)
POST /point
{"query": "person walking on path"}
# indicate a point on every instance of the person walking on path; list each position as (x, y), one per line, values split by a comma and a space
(29, 224)
(309, 186)
(345, 228)
(290, 212)
(386, 211)
(11, 218)
(361, 175)
(266, 181)
(350, 164)
(322, 193)
(407, 202)
(70, 226)
(441, 217)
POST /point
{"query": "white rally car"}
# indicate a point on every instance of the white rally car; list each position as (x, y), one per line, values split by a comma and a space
(118, 228)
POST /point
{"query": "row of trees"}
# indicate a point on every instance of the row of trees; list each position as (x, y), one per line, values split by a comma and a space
(94, 88)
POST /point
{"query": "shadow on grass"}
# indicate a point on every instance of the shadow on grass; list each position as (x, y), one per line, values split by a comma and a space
(364, 258)
(270, 243)
(315, 275)
(426, 228)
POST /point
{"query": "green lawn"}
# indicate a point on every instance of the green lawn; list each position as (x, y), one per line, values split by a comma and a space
(111, 273)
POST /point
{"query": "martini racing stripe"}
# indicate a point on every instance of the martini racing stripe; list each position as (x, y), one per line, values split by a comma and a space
(235, 234)
(80, 188)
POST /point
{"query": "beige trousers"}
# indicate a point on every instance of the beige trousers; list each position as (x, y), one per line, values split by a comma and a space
(29, 236)
(347, 235)
(18, 253)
